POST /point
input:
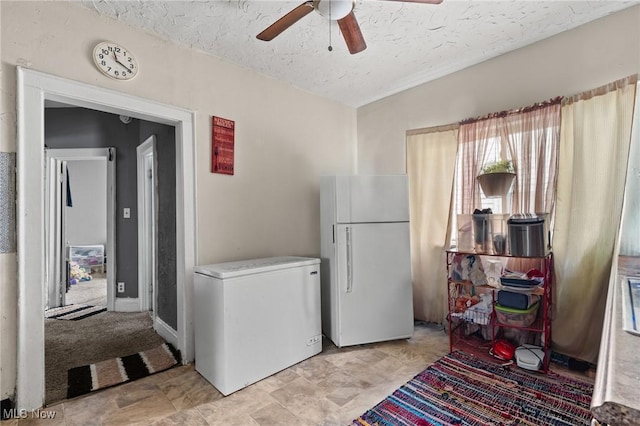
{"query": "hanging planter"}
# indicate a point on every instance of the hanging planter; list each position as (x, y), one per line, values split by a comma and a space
(496, 178)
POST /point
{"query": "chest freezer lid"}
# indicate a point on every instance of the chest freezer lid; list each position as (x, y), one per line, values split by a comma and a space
(254, 266)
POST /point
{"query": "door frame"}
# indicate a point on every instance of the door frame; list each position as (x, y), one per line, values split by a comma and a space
(75, 154)
(33, 88)
(146, 252)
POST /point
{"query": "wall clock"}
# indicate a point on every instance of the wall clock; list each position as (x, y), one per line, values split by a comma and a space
(115, 61)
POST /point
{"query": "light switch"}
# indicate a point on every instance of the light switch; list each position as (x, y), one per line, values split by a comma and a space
(126, 213)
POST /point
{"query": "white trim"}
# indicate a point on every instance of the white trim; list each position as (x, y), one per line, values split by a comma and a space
(144, 251)
(165, 331)
(33, 88)
(127, 304)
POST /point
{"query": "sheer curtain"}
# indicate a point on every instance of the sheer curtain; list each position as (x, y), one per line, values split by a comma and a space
(431, 159)
(533, 137)
(594, 148)
(474, 140)
(529, 138)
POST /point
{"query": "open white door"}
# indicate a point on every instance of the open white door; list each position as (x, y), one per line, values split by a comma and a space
(146, 171)
(55, 249)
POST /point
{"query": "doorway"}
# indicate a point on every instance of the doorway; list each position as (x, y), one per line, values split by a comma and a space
(80, 212)
(147, 235)
(33, 89)
(67, 129)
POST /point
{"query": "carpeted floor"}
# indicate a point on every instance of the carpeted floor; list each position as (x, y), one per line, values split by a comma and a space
(92, 292)
(70, 344)
(462, 389)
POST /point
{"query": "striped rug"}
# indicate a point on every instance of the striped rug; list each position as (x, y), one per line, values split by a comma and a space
(73, 312)
(111, 372)
(460, 389)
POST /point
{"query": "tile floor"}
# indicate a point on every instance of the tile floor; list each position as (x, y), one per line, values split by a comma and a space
(332, 388)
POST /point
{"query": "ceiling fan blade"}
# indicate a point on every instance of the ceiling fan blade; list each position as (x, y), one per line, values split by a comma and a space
(351, 32)
(418, 1)
(286, 21)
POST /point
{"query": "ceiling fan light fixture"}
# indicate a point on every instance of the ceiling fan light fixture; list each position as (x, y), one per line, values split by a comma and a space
(334, 9)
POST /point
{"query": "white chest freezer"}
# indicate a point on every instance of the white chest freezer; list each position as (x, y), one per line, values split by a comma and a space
(254, 318)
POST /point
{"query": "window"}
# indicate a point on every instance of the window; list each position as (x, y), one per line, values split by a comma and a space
(529, 138)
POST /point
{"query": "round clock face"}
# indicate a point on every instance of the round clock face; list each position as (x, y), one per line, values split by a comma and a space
(115, 61)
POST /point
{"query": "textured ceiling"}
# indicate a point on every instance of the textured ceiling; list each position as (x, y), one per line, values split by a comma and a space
(408, 43)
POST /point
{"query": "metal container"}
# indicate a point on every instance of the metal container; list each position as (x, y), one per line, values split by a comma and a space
(527, 235)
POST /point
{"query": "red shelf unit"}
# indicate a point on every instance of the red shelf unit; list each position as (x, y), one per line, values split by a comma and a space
(475, 335)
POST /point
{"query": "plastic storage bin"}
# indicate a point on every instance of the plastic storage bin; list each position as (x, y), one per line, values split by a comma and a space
(87, 257)
(483, 233)
(516, 317)
(499, 233)
(465, 233)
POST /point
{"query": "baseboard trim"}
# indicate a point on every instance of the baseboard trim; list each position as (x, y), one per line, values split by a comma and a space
(166, 331)
(127, 304)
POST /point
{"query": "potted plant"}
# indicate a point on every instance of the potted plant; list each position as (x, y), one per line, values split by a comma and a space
(496, 178)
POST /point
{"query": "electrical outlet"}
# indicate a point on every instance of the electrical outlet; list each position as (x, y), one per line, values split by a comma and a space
(121, 287)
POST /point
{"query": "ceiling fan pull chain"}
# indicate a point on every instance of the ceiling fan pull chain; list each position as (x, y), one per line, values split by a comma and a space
(344, 16)
(330, 48)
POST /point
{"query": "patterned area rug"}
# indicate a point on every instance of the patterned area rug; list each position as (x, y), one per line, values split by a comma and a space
(104, 374)
(460, 389)
(73, 312)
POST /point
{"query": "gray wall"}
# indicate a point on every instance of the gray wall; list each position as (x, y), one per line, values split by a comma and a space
(84, 128)
(8, 242)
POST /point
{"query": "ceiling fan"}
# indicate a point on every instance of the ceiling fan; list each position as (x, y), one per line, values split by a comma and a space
(335, 10)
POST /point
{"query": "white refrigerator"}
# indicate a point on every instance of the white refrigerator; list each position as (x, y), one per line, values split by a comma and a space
(366, 264)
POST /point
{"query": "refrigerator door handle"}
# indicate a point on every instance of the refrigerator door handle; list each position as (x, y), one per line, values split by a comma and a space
(349, 266)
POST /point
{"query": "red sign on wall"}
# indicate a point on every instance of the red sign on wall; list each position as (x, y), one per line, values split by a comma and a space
(222, 140)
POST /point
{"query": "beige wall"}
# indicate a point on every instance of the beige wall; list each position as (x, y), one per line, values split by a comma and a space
(283, 142)
(584, 58)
